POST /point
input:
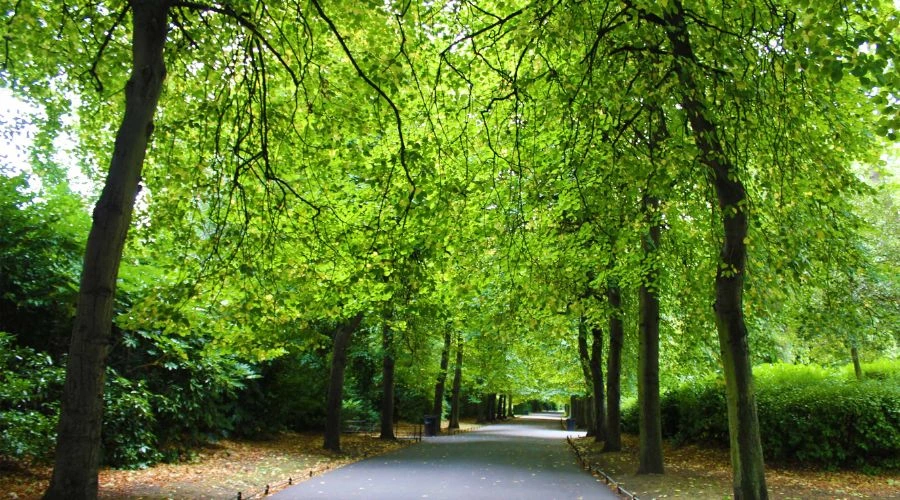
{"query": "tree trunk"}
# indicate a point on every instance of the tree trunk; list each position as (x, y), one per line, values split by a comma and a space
(743, 425)
(437, 408)
(78, 434)
(585, 360)
(614, 372)
(599, 413)
(457, 383)
(509, 406)
(336, 384)
(491, 407)
(857, 367)
(387, 383)
(650, 426)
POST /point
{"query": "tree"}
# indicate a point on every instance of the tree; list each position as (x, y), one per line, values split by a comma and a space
(78, 441)
(438, 408)
(457, 384)
(387, 381)
(342, 336)
(614, 371)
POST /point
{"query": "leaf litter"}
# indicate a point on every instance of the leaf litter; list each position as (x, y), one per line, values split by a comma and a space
(218, 470)
(703, 472)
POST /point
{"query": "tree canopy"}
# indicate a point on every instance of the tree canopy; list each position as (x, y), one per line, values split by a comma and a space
(494, 170)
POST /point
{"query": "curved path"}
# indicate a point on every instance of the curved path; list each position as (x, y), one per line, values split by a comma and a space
(527, 458)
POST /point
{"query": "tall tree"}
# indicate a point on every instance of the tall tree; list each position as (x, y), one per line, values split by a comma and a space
(457, 384)
(746, 447)
(650, 425)
(78, 442)
(387, 381)
(614, 370)
(599, 400)
(342, 335)
(437, 408)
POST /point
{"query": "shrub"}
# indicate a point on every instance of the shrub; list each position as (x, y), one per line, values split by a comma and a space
(882, 369)
(129, 440)
(829, 420)
(806, 413)
(30, 387)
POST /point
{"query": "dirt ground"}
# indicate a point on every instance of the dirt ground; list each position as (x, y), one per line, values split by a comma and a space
(705, 473)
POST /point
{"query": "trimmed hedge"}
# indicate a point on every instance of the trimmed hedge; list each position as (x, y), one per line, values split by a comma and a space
(806, 413)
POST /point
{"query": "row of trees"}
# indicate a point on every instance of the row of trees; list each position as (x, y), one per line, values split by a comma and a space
(515, 179)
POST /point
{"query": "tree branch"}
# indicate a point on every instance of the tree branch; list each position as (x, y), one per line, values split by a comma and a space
(383, 95)
(246, 24)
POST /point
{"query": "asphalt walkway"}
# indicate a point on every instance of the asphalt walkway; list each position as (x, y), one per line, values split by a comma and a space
(525, 458)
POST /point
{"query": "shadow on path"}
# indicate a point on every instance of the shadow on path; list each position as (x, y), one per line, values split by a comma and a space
(526, 458)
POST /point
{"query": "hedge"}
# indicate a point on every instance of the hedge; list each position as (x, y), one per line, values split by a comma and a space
(806, 414)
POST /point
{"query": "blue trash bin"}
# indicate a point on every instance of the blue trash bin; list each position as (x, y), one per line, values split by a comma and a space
(570, 424)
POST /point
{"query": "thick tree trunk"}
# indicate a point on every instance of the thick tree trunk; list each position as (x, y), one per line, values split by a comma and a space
(78, 436)
(585, 360)
(457, 385)
(599, 413)
(614, 372)
(336, 383)
(437, 408)
(492, 407)
(387, 384)
(509, 406)
(650, 426)
(857, 367)
(743, 425)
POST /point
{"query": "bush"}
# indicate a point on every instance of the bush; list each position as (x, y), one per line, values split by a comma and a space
(30, 387)
(806, 413)
(129, 440)
(882, 369)
(811, 415)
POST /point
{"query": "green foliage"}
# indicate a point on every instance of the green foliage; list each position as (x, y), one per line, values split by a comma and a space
(296, 387)
(30, 385)
(887, 370)
(129, 423)
(41, 242)
(806, 413)
(185, 391)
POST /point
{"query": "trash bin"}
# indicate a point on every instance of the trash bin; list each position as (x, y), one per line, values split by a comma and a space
(570, 424)
(431, 425)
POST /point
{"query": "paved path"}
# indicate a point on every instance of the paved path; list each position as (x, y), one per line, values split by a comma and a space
(527, 458)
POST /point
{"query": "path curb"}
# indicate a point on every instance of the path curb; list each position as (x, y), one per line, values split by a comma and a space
(598, 472)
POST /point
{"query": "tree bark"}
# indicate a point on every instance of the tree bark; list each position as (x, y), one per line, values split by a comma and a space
(743, 425)
(650, 426)
(78, 434)
(599, 413)
(457, 383)
(857, 367)
(437, 408)
(585, 359)
(387, 383)
(336, 384)
(491, 407)
(614, 372)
